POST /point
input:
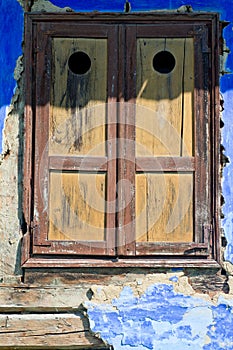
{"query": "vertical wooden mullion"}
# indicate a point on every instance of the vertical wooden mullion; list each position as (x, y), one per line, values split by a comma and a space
(27, 166)
(198, 113)
(41, 172)
(126, 141)
(201, 182)
(215, 136)
(111, 141)
(121, 239)
(130, 73)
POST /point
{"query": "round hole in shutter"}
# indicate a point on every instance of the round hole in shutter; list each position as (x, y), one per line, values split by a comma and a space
(79, 63)
(164, 62)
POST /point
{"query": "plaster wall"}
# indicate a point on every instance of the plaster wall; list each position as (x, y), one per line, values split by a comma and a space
(131, 309)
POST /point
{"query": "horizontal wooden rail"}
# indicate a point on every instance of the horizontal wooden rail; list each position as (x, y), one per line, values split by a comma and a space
(165, 164)
(78, 163)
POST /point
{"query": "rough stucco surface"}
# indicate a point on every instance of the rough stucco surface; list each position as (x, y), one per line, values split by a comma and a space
(10, 183)
(160, 311)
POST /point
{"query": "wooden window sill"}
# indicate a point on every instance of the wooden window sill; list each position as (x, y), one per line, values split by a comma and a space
(120, 263)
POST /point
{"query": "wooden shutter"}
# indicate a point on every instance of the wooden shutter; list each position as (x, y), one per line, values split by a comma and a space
(75, 131)
(122, 134)
(169, 160)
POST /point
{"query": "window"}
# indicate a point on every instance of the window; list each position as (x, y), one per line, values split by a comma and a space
(122, 140)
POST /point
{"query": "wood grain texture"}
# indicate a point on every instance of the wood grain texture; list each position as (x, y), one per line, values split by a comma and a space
(78, 163)
(164, 128)
(45, 331)
(165, 164)
(126, 142)
(164, 117)
(77, 206)
(122, 263)
(164, 207)
(78, 110)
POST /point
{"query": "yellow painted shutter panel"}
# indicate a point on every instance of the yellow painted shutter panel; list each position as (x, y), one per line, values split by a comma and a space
(164, 128)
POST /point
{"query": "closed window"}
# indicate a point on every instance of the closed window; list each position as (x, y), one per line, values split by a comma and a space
(122, 140)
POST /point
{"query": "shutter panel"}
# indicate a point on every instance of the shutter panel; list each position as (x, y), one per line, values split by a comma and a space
(75, 135)
(167, 142)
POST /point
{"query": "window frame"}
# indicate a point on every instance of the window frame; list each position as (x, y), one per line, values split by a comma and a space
(37, 251)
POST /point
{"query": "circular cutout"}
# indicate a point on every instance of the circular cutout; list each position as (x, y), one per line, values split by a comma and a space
(164, 62)
(79, 63)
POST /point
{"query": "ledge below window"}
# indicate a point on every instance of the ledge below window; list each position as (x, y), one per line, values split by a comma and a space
(120, 263)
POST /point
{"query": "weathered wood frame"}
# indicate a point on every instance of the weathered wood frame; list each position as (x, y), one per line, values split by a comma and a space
(122, 29)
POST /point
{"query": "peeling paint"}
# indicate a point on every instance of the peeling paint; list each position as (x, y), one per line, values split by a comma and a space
(162, 319)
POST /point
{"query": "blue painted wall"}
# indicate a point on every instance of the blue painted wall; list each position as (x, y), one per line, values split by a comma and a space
(160, 318)
(11, 29)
